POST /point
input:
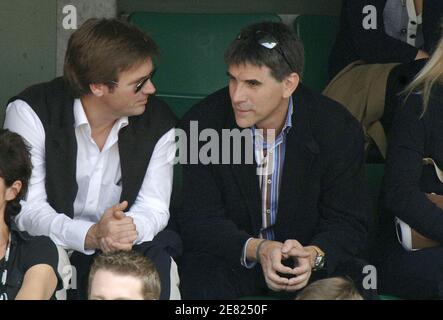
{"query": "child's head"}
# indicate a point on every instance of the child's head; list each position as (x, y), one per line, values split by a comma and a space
(15, 172)
(123, 275)
(337, 288)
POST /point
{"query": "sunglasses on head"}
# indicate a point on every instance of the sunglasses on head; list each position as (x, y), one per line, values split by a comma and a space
(268, 41)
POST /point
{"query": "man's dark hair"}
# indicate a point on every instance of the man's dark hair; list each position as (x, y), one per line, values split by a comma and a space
(15, 165)
(286, 57)
(102, 48)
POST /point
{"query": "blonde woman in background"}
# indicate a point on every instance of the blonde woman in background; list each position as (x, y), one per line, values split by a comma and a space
(417, 133)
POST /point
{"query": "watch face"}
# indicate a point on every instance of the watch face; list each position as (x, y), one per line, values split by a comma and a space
(319, 262)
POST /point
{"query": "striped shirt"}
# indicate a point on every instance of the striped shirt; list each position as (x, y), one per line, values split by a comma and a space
(270, 157)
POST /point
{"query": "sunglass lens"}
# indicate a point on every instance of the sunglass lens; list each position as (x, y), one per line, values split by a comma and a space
(141, 84)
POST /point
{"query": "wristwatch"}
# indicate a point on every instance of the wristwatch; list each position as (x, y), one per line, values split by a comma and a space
(319, 261)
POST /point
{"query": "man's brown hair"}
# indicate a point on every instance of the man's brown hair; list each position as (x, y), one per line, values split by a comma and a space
(102, 48)
(129, 263)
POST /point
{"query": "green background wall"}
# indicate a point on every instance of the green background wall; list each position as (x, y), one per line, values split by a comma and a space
(28, 31)
(326, 7)
(27, 45)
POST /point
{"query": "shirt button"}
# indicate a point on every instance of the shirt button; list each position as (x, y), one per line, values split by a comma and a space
(268, 211)
(403, 31)
(269, 181)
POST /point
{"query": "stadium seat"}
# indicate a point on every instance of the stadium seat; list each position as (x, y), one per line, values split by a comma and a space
(374, 175)
(192, 46)
(318, 34)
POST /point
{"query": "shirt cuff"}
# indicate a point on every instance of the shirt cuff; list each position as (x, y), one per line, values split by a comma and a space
(144, 230)
(76, 236)
(244, 262)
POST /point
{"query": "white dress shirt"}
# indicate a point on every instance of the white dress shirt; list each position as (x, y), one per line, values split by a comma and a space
(98, 175)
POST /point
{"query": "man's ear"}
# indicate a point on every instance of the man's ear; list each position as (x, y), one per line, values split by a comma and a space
(290, 83)
(98, 89)
(13, 190)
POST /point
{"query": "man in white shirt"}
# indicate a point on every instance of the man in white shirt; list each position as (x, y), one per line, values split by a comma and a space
(102, 175)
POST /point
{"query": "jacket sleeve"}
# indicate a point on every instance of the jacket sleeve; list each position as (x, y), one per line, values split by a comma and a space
(432, 15)
(344, 205)
(402, 192)
(372, 44)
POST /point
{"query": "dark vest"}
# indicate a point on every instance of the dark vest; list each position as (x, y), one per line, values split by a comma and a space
(53, 103)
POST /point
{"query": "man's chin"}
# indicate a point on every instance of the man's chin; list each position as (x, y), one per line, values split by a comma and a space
(139, 109)
(243, 124)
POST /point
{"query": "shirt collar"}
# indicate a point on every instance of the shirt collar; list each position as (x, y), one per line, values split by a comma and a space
(285, 129)
(288, 123)
(79, 114)
(81, 118)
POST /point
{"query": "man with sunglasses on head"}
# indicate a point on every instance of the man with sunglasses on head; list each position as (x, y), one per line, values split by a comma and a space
(300, 209)
(100, 142)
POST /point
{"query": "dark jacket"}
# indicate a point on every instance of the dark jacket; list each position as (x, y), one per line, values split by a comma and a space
(406, 179)
(375, 46)
(322, 201)
(53, 104)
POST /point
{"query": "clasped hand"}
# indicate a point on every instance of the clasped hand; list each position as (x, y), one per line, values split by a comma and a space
(273, 253)
(115, 230)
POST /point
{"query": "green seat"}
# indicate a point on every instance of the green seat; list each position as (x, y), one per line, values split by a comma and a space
(374, 176)
(2, 115)
(180, 103)
(373, 173)
(318, 34)
(192, 46)
(387, 297)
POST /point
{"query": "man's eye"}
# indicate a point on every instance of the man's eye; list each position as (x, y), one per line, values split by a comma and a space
(253, 83)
